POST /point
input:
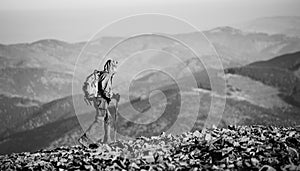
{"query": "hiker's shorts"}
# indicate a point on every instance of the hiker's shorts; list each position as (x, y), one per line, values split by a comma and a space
(101, 103)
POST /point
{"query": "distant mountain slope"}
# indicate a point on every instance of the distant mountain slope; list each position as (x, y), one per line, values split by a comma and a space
(51, 54)
(235, 46)
(35, 83)
(289, 62)
(55, 124)
(280, 72)
(246, 47)
(14, 111)
(288, 25)
(40, 137)
(246, 89)
(43, 70)
(48, 113)
(19, 114)
(66, 131)
(36, 125)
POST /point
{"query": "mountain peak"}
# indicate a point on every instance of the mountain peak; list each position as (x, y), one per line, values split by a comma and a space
(226, 29)
(45, 42)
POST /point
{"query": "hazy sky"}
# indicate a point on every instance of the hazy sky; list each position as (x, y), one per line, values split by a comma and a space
(78, 20)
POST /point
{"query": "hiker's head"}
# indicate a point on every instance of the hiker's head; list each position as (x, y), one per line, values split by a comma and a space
(111, 66)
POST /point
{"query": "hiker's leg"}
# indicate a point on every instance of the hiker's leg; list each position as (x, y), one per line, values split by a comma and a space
(107, 127)
(94, 131)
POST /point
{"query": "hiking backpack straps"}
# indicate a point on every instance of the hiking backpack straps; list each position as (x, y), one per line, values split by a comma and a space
(90, 86)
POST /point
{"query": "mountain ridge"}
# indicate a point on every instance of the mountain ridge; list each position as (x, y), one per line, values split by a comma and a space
(288, 25)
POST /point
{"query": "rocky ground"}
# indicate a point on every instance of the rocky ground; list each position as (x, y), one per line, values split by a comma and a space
(235, 148)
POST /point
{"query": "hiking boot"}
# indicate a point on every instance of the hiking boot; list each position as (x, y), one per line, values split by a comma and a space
(93, 146)
(84, 141)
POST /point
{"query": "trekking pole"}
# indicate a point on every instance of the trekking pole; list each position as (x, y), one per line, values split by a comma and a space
(115, 120)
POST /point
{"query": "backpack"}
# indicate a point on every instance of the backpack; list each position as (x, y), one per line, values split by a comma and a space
(90, 86)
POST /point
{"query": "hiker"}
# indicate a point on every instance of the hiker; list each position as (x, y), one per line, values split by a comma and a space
(101, 100)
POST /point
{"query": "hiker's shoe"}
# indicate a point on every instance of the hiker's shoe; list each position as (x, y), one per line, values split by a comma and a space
(83, 140)
(93, 146)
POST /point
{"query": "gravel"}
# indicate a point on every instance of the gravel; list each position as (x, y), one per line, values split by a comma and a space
(256, 147)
